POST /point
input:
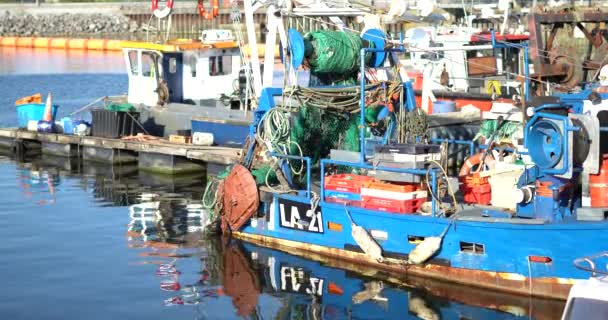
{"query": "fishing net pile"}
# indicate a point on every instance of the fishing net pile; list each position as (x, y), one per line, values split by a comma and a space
(508, 131)
(333, 56)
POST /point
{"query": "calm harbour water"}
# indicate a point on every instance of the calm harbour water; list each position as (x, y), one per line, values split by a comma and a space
(92, 241)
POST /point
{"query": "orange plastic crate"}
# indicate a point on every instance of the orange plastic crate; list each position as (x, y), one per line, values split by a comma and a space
(476, 189)
(392, 187)
(346, 182)
(475, 179)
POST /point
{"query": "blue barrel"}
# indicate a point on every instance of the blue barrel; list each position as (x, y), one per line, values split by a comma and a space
(32, 111)
(68, 125)
(444, 106)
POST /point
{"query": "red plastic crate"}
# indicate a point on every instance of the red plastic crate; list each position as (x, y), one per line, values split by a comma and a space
(481, 194)
(346, 182)
(390, 205)
(345, 202)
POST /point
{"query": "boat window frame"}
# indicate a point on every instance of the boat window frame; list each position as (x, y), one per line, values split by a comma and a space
(133, 57)
(153, 64)
(220, 62)
(472, 247)
(172, 65)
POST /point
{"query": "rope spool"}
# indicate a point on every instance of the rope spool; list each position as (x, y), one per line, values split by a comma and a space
(335, 52)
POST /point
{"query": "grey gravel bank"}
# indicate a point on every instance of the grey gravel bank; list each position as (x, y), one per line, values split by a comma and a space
(65, 24)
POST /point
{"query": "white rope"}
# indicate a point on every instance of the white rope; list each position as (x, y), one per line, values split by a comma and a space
(274, 129)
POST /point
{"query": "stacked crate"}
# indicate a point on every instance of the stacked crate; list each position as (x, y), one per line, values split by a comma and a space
(345, 188)
(390, 197)
(403, 156)
(476, 189)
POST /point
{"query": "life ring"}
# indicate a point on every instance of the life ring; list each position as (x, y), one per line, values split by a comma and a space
(215, 9)
(475, 160)
(164, 12)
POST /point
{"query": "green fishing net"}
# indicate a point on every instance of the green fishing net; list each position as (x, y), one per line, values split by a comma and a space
(335, 52)
(260, 173)
(318, 132)
(507, 131)
(124, 107)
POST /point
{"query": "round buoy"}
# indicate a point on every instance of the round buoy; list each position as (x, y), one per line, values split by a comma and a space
(164, 12)
(241, 199)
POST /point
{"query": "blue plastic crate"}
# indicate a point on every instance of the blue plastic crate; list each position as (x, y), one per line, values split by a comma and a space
(32, 111)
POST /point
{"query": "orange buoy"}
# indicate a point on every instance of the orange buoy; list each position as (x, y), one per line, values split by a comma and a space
(48, 109)
(215, 10)
(35, 98)
(241, 199)
(598, 185)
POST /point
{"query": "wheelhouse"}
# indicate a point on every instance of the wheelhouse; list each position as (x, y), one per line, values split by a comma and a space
(181, 72)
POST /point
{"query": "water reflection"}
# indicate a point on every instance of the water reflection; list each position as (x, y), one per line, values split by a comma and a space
(37, 184)
(225, 278)
(51, 61)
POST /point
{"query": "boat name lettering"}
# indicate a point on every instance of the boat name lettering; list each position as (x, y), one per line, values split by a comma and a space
(297, 215)
(297, 280)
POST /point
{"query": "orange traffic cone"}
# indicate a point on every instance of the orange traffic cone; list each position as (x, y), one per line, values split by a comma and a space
(48, 109)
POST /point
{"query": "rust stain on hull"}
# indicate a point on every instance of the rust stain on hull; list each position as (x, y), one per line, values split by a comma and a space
(552, 288)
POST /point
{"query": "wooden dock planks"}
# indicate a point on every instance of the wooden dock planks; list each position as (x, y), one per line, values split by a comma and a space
(213, 154)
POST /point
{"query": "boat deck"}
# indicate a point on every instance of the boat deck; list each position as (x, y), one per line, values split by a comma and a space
(211, 154)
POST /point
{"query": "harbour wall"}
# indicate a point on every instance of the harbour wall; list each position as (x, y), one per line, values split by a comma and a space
(134, 21)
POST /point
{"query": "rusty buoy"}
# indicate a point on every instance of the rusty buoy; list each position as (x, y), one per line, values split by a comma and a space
(241, 198)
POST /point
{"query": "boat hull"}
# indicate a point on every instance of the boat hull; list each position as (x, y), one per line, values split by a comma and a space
(510, 258)
(225, 132)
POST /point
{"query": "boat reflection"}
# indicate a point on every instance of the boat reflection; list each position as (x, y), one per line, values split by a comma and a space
(329, 290)
(302, 288)
(38, 183)
(225, 278)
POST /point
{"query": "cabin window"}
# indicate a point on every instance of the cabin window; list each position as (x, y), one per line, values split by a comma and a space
(192, 63)
(133, 62)
(472, 247)
(172, 65)
(220, 65)
(148, 68)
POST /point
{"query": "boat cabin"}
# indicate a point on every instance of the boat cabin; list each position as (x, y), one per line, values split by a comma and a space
(461, 61)
(188, 72)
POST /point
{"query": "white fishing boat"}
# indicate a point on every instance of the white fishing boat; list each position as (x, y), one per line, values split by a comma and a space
(588, 299)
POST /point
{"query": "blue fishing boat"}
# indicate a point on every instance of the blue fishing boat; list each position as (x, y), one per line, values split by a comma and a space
(529, 199)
